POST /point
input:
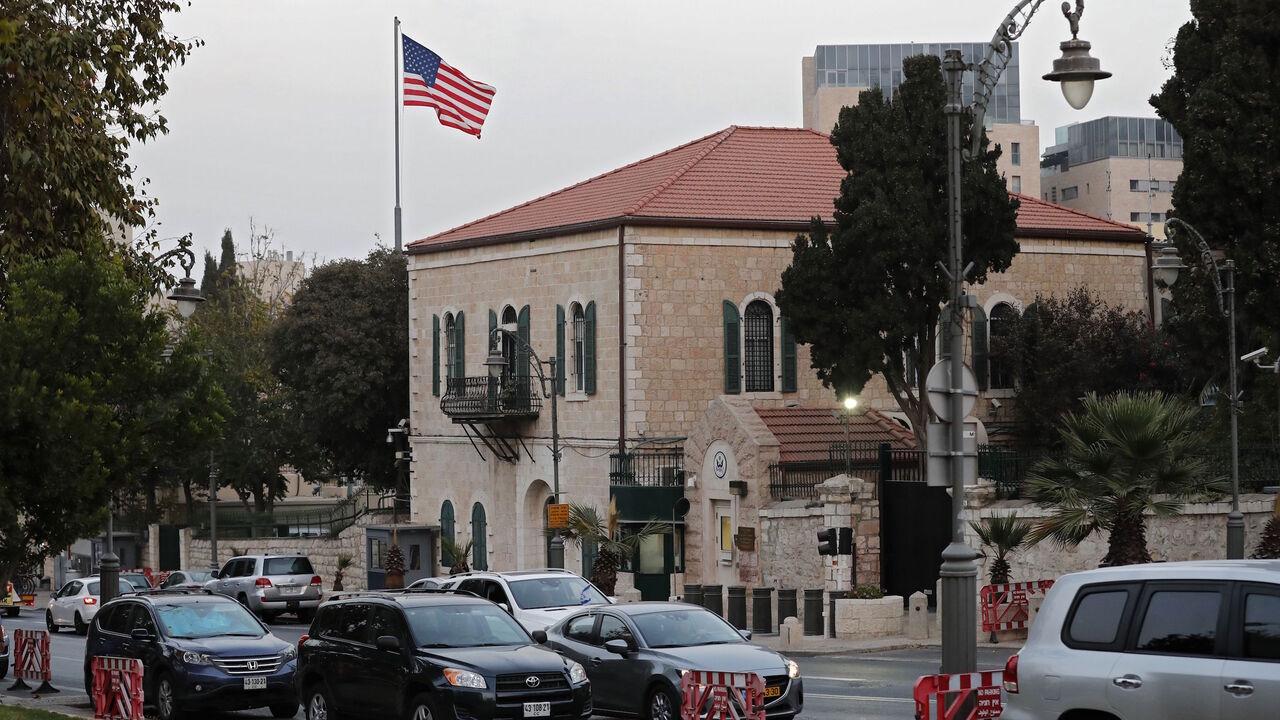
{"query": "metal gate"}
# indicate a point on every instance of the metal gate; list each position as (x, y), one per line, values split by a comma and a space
(915, 527)
(170, 548)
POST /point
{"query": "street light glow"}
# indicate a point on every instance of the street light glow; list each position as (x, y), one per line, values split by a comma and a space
(850, 403)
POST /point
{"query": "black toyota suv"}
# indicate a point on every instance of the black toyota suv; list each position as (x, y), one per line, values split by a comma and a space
(432, 655)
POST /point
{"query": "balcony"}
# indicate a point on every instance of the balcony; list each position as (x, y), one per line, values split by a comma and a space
(486, 398)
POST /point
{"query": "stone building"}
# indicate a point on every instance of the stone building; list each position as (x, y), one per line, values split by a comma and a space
(653, 285)
(835, 75)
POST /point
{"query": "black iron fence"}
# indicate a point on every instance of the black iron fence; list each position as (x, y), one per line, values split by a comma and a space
(799, 480)
(235, 522)
(488, 396)
(662, 467)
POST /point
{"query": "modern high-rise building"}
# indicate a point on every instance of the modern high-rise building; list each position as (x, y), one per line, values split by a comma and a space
(835, 75)
(1120, 168)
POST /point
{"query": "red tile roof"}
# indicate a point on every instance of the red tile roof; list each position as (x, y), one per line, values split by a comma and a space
(739, 177)
(806, 434)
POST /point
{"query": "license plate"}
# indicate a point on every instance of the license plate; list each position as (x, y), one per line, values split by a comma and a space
(290, 589)
(255, 683)
(541, 709)
(773, 691)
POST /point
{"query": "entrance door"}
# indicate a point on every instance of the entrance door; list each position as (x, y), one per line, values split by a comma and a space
(915, 527)
(170, 552)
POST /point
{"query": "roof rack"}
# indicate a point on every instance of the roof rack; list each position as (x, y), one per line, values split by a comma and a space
(171, 591)
(391, 594)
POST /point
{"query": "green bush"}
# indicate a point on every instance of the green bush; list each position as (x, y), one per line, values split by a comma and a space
(867, 592)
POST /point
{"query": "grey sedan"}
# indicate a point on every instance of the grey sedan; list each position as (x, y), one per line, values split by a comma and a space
(635, 653)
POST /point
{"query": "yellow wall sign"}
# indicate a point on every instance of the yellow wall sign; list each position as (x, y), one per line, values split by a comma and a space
(558, 515)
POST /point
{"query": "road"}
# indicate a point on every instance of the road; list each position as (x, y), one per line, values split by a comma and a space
(868, 686)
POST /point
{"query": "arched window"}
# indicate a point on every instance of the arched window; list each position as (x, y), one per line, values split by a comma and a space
(579, 346)
(450, 346)
(999, 321)
(757, 328)
(509, 319)
(479, 539)
(447, 536)
(546, 518)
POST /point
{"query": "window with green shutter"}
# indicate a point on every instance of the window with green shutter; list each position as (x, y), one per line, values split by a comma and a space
(789, 369)
(447, 537)
(435, 355)
(732, 349)
(479, 538)
(460, 345)
(560, 356)
(589, 349)
(979, 352)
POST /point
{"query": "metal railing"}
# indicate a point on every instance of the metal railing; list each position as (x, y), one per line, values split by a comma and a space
(492, 397)
(648, 468)
(237, 523)
(882, 463)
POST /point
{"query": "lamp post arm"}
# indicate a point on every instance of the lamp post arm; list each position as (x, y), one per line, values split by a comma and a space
(999, 53)
(186, 258)
(1206, 258)
(537, 361)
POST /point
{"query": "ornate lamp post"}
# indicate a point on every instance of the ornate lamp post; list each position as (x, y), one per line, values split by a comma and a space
(497, 362)
(1077, 71)
(1165, 268)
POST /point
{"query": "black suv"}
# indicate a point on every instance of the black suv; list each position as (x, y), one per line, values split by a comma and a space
(199, 651)
(432, 655)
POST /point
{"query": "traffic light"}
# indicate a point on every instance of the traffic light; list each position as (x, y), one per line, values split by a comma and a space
(827, 541)
(846, 541)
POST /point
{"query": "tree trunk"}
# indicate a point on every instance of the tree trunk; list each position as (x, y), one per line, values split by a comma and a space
(186, 493)
(1128, 544)
(604, 574)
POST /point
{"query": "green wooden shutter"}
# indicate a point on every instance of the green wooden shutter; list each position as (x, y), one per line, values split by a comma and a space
(460, 345)
(493, 325)
(980, 354)
(944, 333)
(732, 350)
(446, 533)
(479, 538)
(435, 355)
(560, 357)
(789, 370)
(589, 349)
(522, 330)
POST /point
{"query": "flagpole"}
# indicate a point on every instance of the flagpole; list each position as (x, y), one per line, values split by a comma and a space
(399, 51)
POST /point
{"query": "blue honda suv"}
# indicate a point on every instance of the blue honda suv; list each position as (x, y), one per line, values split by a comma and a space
(198, 650)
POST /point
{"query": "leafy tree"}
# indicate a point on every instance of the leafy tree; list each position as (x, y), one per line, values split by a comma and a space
(343, 351)
(1224, 100)
(1063, 348)
(209, 280)
(587, 525)
(866, 294)
(1126, 455)
(82, 79)
(84, 398)
(1004, 535)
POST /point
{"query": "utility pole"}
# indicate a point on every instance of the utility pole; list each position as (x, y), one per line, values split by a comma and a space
(213, 514)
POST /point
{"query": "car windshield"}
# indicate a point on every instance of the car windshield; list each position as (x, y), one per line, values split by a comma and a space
(683, 628)
(95, 588)
(194, 576)
(555, 592)
(207, 619)
(138, 581)
(471, 625)
(287, 566)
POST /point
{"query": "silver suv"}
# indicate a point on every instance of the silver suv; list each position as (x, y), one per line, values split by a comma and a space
(537, 599)
(271, 584)
(1193, 640)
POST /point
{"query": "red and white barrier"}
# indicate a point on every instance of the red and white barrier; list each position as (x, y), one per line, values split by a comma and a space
(1005, 607)
(945, 697)
(31, 660)
(721, 696)
(117, 688)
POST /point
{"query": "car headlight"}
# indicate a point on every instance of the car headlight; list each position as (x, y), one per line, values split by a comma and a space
(289, 653)
(464, 678)
(577, 673)
(195, 658)
(793, 670)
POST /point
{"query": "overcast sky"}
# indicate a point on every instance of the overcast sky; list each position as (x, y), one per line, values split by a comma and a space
(285, 116)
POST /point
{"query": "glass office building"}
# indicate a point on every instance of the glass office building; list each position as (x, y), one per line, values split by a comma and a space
(1112, 136)
(881, 66)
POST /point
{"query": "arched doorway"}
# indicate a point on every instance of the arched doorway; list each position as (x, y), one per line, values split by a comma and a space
(533, 525)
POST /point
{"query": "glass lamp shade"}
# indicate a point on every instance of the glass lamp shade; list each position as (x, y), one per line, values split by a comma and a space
(495, 362)
(1166, 266)
(186, 296)
(1077, 92)
(1076, 70)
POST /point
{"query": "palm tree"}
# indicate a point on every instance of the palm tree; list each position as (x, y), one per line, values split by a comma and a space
(1004, 535)
(1269, 546)
(1125, 455)
(586, 526)
(457, 555)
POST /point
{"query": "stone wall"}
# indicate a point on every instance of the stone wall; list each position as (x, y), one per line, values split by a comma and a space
(1199, 533)
(863, 619)
(788, 532)
(323, 553)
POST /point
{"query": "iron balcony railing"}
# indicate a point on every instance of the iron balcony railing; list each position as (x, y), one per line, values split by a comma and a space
(648, 468)
(488, 397)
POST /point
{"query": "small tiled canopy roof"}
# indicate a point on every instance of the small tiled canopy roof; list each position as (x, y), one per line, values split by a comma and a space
(741, 177)
(806, 434)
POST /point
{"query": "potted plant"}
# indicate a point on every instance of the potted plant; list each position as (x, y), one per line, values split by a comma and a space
(394, 565)
(456, 555)
(345, 561)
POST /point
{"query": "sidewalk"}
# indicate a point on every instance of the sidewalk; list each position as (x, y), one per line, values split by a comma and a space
(815, 645)
(73, 704)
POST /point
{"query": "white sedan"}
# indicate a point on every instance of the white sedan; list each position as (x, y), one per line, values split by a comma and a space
(76, 604)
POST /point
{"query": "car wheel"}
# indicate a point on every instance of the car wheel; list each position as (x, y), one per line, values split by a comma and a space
(421, 708)
(306, 616)
(81, 627)
(662, 704)
(12, 612)
(166, 698)
(284, 710)
(48, 622)
(88, 683)
(319, 706)
(4, 668)
(269, 617)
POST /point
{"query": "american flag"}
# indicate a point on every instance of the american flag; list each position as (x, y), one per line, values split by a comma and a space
(429, 81)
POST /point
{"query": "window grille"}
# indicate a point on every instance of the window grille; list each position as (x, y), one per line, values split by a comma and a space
(758, 329)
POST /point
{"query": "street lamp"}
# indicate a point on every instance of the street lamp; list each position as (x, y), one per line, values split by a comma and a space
(185, 295)
(1256, 356)
(850, 403)
(398, 439)
(497, 363)
(1165, 268)
(1077, 71)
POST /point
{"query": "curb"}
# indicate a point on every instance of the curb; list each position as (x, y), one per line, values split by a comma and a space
(60, 703)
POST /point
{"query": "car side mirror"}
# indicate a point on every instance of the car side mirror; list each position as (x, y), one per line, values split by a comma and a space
(618, 647)
(215, 574)
(141, 634)
(388, 642)
(746, 634)
(505, 607)
(539, 636)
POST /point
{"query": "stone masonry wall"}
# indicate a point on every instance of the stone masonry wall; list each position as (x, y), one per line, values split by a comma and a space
(323, 553)
(787, 533)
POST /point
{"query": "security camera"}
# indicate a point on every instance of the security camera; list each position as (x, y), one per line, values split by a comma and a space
(1255, 355)
(995, 403)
